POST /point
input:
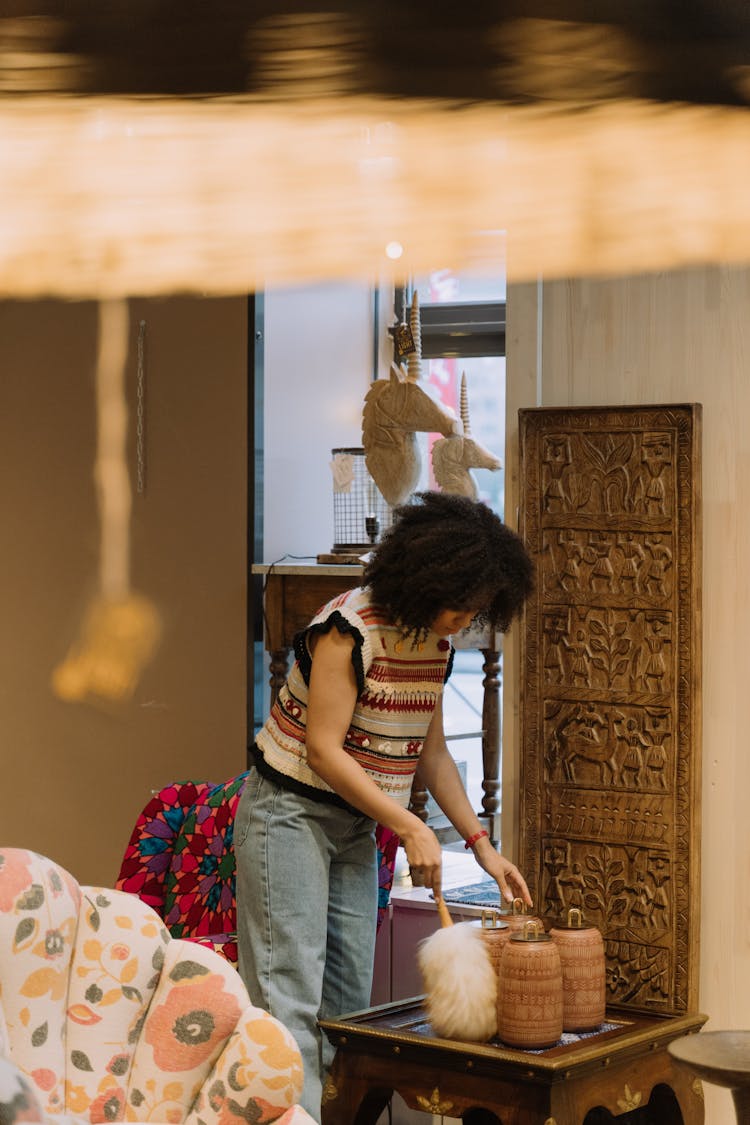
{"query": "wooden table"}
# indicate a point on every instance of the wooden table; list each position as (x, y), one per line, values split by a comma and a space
(391, 1049)
(720, 1057)
(294, 593)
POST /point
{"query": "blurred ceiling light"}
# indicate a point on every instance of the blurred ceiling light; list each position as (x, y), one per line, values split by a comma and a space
(149, 149)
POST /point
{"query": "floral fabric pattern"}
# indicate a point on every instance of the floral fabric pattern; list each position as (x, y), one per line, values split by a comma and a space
(277, 1057)
(119, 952)
(18, 1102)
(111, 1019)
(40, 905)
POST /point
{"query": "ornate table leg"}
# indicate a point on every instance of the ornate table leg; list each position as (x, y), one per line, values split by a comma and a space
(418, 800)
(491, 740)
(348, 1098)
(418, 805)
(279, 669)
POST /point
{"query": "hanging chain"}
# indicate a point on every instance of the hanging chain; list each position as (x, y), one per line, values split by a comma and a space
(140, 447)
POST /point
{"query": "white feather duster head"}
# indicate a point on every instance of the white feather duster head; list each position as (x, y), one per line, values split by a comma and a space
(460, 983)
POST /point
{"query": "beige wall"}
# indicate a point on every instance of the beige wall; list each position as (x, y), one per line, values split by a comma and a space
(679, 337)
(75, 776)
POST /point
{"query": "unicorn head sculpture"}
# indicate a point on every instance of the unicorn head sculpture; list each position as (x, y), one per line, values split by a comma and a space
(454, 456)
(396, 409)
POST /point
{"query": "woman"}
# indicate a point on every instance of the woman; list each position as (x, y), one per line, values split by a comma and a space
(361, 706)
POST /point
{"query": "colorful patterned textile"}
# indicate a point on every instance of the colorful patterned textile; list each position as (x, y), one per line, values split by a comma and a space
(109, 1018)
(199, 888)
(180, 860)
(148, 855)
(387, 842)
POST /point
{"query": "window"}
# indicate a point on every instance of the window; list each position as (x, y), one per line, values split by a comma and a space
(463, 334)
(463, 329)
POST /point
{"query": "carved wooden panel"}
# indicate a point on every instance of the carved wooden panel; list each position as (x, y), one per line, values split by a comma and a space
(611, 669)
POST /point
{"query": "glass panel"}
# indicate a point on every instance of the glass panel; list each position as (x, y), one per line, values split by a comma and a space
(445, 285)
(485, 384)
(485, 388)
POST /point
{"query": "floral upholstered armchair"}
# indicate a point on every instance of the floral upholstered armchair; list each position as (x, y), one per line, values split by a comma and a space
(108, 1018)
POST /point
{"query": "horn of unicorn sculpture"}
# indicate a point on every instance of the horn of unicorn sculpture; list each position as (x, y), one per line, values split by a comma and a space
(396, 409)
(414, 359)
(454, 456)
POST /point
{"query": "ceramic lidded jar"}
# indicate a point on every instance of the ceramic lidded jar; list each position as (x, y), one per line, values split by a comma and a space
(495, 935)
(516, 917)
(530, 996)
(583, 972)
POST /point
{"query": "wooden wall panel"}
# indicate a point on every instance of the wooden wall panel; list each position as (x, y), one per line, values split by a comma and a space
(610, 686)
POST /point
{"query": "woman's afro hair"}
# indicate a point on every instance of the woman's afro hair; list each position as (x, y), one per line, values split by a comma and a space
(445, 551)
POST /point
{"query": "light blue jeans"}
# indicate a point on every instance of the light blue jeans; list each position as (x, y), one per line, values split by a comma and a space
(306, 915)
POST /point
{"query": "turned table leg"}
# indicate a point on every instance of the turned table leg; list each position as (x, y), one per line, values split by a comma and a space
(491, 729)
(279, 670)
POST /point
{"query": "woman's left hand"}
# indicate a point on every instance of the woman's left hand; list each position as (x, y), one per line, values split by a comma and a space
(507, 876)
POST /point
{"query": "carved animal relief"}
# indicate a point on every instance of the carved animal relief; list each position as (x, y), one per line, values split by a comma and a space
(610, 686)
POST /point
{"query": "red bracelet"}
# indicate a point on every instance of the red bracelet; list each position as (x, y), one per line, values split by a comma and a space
(475, 839)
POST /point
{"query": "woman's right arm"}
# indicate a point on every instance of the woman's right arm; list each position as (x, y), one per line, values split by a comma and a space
(330, 706)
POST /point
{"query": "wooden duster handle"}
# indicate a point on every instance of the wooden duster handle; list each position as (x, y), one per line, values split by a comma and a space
(445, 918)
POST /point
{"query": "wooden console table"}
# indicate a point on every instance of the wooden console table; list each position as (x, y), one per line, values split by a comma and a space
(391, 1049)
(294, 593)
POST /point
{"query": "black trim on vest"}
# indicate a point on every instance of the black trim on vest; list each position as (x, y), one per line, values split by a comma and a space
(321, 796)
(449, 664)
(337, 619)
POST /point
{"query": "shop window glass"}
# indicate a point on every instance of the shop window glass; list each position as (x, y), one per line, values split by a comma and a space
(463, 332)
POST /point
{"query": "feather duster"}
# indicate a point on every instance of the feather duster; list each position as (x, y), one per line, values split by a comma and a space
(460, 981)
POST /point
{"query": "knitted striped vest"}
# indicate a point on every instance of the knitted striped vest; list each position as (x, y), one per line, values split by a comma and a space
(399, 685)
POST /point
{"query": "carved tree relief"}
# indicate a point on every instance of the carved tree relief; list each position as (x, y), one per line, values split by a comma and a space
(610, 707)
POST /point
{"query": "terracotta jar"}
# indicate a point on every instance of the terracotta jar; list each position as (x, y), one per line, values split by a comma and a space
(495, 934)
(583, 972)
(516, 917)
(530, 996)
(495, 931)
